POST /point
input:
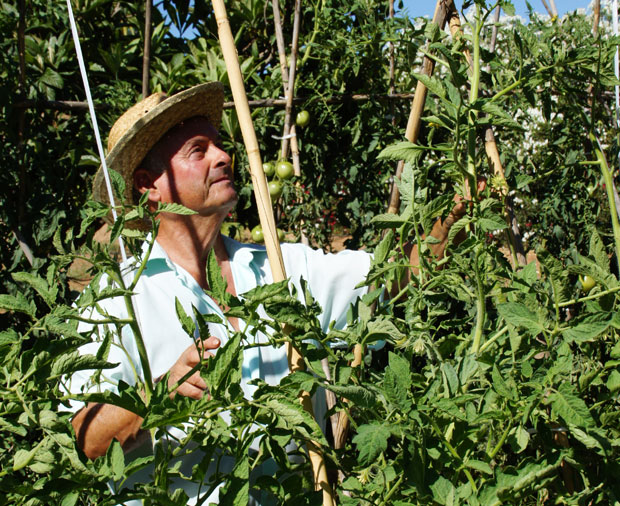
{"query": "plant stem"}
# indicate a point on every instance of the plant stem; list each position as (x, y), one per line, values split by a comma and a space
(589, 297)
(609, 187)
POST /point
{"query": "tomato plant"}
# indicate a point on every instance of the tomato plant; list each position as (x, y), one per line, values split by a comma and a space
(497, 384)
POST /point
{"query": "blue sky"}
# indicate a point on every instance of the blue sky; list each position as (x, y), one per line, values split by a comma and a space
(426, 7)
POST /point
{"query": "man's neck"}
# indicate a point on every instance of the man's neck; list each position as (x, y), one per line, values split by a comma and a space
(188, 240)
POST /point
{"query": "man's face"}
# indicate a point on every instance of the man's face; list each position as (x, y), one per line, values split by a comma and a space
(199, 174)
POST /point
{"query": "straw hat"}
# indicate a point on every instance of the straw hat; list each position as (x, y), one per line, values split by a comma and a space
(141, 126)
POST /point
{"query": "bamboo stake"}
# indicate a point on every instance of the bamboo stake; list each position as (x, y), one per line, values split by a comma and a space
(266, 217)
(596, 18)
(146, 57)
(290, 89)
(490, 146)
(290, 97)
(280, 43)
(413, 125)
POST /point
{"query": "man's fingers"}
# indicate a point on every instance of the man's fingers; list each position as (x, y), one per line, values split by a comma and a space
(211, 343)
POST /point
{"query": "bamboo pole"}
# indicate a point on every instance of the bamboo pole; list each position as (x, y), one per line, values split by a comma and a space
(414, 123)
(287, 81)
(492, 151)
(265, 211)
(596, 18)
(290, 88)
(146, 57)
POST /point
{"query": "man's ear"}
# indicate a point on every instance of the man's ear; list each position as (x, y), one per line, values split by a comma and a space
(143, 181)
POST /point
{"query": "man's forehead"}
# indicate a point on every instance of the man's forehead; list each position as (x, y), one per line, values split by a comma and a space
(186, 130)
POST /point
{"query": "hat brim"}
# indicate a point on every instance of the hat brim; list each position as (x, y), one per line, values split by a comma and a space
(204, 100)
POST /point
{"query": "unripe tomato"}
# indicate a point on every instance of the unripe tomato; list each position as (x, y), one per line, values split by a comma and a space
(302, 119)
(280, 235)
(257, 234)
(284, 169)
(269, 169)
(587, 283)
(275, 189)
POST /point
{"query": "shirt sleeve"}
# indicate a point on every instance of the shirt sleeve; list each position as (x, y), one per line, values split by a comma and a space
(332, 279)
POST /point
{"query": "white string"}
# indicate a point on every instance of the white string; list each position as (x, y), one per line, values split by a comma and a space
(289, 136)
(93, 118)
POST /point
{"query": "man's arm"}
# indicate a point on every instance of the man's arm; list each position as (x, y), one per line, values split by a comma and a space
(97, 424)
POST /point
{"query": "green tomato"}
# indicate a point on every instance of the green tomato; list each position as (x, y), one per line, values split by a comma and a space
(269, 169)
(257, 234)
(275, 189)
(280, 235)
(302, 119)
(284, 169)
(587, 283)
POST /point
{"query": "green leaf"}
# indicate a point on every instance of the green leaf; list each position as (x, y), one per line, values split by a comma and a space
(225, 367)
(500, 386)
(613, 381)
(404, 150)
(294, 417)
(371, 439)
(443, 492)
(52, 78)
(215, 280)
(18, 303)
(8, 426)
(519, 315)
(491, 223)
(8, 337)
(72, 362)
(383, 248)
(237, 490)
(566, 404)
(358, 395)
(116, 459)
(381, 328)
(169, 207)
(433, 84)
(118, 184)
(597, 250)
(22, 458)
(39, 284)
(585, 331)
(478, 465)
(186, 322)
(388, 220)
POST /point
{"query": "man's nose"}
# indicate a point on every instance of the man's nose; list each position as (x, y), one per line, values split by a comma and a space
(221, 159)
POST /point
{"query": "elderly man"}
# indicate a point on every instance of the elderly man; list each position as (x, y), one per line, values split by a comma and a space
(170, 148)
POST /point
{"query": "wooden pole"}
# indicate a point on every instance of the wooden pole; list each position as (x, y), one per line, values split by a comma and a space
(290, 87)
(146, 57)
(288, 93)
(413, 125)
(265, 212)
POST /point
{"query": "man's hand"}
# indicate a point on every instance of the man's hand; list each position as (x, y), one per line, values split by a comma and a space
(194, 386)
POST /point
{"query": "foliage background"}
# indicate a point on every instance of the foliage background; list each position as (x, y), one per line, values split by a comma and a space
(485, 429)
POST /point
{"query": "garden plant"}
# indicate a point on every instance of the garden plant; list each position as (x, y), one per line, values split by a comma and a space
(482, 381)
